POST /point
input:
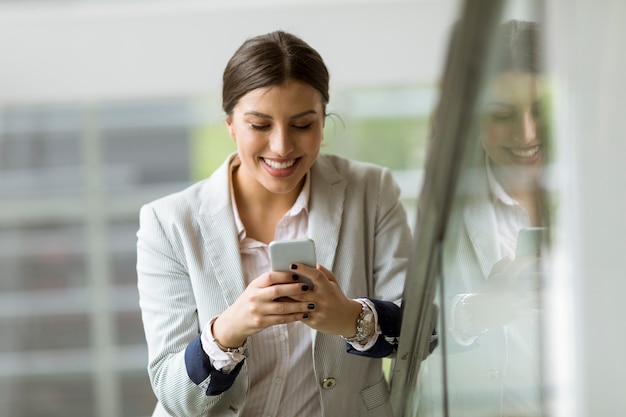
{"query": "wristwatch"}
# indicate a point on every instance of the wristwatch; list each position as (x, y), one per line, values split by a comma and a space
(241, 350)
(364, 324)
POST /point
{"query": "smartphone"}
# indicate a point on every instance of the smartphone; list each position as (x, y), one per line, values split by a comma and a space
(529, 240)
(285, 252)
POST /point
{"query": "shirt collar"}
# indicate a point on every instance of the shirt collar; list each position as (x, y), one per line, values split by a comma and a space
(497, 191)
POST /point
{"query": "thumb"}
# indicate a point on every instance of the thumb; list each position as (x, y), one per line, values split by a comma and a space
(328, 274)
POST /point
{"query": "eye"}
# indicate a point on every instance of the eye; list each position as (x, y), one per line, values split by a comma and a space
(501, 116)
(303, 126)
(259, 127)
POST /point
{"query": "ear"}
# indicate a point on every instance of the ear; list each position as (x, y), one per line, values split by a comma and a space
(231, 129)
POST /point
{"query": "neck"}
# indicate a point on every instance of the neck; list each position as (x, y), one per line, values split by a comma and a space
(260, 210)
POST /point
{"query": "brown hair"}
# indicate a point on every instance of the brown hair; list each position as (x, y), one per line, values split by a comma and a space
(270, 60)
(517, 47)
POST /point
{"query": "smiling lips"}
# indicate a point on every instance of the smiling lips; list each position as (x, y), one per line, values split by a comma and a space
(527, 155)
(279, 165)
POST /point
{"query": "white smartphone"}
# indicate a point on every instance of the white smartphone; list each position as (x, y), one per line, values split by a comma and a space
(285, 252)
(529, 240)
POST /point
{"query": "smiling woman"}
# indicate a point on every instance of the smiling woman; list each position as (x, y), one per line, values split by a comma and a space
(278, 131)
(211, 303)
(512, 135)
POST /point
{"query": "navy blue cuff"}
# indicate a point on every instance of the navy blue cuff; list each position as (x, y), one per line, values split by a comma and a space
(381, 349)
(389, 317)
(199, 369)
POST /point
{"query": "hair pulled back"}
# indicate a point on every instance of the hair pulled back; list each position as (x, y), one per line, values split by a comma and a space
(517, 47)
(271, 60)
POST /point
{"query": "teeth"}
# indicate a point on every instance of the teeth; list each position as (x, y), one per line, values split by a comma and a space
(279, 165)
(527, 153)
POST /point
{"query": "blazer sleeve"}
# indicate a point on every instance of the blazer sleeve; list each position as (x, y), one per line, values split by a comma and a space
(389, 320)
(170, 320)
(390, 260)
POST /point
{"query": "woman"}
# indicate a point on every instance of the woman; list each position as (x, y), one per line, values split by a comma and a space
(490, 297)
(226, 335)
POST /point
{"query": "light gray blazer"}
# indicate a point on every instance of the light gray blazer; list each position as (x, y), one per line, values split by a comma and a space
(189, 270)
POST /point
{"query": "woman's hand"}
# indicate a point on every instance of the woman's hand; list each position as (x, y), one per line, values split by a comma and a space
(334, 313)
(511, 290)
(268, 300)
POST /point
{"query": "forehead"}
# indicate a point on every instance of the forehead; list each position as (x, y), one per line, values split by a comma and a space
(291, 96)
(515, 88)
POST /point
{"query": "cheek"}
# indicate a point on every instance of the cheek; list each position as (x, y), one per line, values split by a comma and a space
(495, 134)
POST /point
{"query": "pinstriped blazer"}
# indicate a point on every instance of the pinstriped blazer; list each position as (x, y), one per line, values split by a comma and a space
(189, 270)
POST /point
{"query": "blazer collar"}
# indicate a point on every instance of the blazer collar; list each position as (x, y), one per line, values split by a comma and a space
(326, 203)
(480, 220)
(217, 226)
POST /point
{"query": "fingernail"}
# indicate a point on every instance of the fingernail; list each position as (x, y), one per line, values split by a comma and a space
(295, 277)
(311, 306)
(305, 316)
(294, 266)
(305, 288)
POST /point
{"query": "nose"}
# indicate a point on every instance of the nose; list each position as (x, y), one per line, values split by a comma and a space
(280, 142)
(528, 128)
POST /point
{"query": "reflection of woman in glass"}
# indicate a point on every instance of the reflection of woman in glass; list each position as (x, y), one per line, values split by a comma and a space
(226, 335)
(490, 297)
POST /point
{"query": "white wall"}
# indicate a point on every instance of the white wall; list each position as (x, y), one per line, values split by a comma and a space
(91, 51)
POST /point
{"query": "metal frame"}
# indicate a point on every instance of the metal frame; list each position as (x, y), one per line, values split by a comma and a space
(465, 67)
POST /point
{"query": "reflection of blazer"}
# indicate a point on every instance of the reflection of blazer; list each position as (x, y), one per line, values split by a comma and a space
(470, 250)
(189, 270)
(478, 375)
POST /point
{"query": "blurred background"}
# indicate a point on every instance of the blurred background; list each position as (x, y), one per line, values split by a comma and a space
(106, 105)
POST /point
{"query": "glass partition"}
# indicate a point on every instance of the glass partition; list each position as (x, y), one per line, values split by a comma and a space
(483, 228)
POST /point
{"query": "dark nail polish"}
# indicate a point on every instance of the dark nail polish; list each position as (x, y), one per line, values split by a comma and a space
(305, 316)
(294, 266)
(295, 277)
(305, 288)
(311, 306)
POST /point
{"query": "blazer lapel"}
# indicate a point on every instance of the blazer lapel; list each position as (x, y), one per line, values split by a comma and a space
(326, 204)
(482, 228)
(217, 226)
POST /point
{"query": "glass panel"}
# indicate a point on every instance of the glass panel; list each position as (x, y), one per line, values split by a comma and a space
(489, 359)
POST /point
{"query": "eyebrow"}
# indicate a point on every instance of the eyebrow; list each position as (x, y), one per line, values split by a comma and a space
(501, 104)
(509, 105)
(267, 116)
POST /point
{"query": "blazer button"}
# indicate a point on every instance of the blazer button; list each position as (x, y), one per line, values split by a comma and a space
(329, 383)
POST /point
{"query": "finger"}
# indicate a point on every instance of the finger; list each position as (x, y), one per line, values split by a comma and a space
(283, 277)
(289, 307)
(307, 274)
(291, 290)
(268, 279)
